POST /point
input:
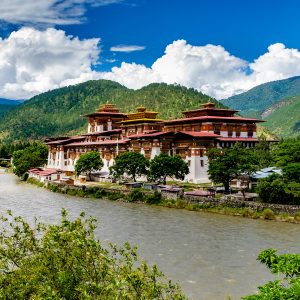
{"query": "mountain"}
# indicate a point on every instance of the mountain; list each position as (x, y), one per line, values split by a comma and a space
(283, 118)
(255, 101)
(58, 112)
(7, 105)
(278, 102)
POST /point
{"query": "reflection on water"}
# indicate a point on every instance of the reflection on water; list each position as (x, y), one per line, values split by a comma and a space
(211, 256)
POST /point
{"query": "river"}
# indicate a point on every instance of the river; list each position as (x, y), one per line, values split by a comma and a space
(211, 256)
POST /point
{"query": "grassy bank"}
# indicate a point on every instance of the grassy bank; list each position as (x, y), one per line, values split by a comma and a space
(154, 198)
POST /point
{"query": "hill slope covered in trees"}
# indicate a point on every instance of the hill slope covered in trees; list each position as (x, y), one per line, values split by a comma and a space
(7, 105)
(58, 112)
(277, 102)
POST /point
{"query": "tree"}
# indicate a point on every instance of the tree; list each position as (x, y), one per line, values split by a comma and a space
(228, 163)
(66, 261)
(263, 153)
(131, 163)
(291, 171)
(163, 166)
(88, 162)
(30, 157)
(285, 288)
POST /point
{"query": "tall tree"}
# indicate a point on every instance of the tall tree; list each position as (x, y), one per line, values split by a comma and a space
(163, 166)
(228, 163)
(131, 163)
(88, 163)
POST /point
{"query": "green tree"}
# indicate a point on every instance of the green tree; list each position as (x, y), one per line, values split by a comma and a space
(66, 261)
(286, 266)
(131, 163)
(88, 163)
(228, 163)
(291, 171)
(30, 157)
(286, 152)
(263, 153)
(163, 166)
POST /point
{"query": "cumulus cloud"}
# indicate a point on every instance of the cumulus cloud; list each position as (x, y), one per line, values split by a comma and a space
(56, 12)
(33, 61)
(210, 69)
(127, 48)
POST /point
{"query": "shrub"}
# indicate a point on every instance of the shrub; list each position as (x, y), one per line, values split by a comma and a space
(297, 216)
(136, 195)
(66, 261)
(115, 196)
(268, 214)
(154, 198)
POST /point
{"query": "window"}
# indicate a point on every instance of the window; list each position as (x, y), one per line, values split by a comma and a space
(202, 163)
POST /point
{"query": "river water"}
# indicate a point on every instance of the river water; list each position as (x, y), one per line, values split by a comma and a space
(211, 256)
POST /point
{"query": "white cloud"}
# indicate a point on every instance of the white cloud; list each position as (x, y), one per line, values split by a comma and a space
(55, 12)
(127, 48)
(33, 61)
(210, 69)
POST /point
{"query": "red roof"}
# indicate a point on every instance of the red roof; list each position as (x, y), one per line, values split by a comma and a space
(105, 113)
(213, 118)
(45, 172)
(199, 134)
(66, 141)
(237, 139)
(107, 142)
(108, 132)
(150, 135)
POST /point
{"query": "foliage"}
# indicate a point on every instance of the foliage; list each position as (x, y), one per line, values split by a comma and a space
(131, 163)
(229, 163)
(7, 149)
(88, 162)
(65, 261)
(136, 195)
(291, 171)
(286, 288)
(30, 157)
(163, 166)
(263, 153)
(288, 151)
(268, 214)
(154, 198)
(58, 112)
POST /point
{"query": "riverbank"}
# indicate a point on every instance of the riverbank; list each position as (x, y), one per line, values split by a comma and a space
(234, 208)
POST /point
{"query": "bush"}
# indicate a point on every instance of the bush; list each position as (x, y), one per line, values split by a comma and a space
(268, 214)
(154, 198)
(136, 195)
(297, 216)
(115, 196)
(66, 261)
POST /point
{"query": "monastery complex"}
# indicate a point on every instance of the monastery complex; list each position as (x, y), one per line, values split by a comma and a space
(111, 132)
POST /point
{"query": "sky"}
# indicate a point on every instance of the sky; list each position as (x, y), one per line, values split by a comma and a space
(219, 47)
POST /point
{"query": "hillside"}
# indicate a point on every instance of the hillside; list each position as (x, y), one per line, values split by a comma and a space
(58, 112)
(255, 101)
(7, 105)
(277, 102)
(283, 118)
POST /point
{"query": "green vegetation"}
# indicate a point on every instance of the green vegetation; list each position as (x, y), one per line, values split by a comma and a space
(131, 163)
(285, 188)
(163, 166)
(287, 286)
(66, 261)
(30, 157)
(278, 102)
(58, 112)
(88, 163)
(284, 119)
(7, 105)
(229, 163)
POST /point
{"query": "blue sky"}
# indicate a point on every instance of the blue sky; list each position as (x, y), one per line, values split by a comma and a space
(219, 47)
